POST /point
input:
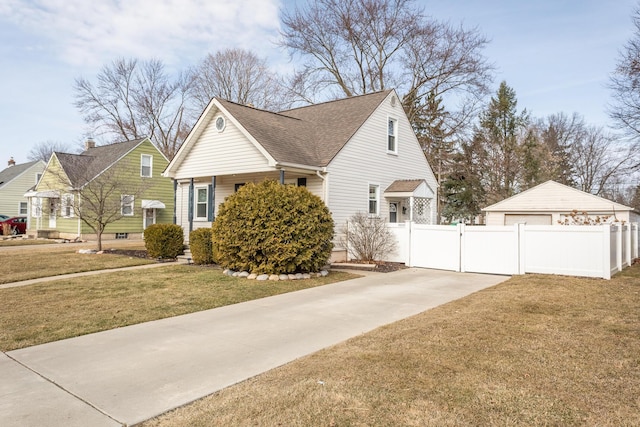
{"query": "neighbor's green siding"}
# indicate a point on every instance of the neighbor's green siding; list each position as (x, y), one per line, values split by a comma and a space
(160, 188)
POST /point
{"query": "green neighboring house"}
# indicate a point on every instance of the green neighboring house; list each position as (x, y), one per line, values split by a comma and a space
(124, 178)
(16, 180)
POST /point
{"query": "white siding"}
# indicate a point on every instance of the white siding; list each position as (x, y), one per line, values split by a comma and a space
(12, 193)
(221, 153)
(364, 160)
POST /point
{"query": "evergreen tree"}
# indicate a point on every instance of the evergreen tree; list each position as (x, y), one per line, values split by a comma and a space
(500, 134)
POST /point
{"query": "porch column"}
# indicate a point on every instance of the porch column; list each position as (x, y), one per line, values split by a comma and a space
(212, 199)
(281, 176)
(190, 215)
(175, 205)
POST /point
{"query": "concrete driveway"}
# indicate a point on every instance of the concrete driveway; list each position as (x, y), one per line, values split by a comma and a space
(127, 375)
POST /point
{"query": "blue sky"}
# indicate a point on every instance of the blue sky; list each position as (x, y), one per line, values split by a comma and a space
(556, 54)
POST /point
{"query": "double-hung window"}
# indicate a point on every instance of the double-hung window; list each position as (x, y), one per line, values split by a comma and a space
(392, 136)
(23, 208)
(146, 165)
(374, 199)
(202, 203)
(67, 205)
(126, 203)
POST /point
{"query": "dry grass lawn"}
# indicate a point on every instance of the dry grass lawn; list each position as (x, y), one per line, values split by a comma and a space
(35, 262)
(23, 242)
(534, 350)
(65, 308)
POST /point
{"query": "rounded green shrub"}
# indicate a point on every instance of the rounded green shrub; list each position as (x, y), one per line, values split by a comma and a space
(201, 246)
(273, 228)
(164, 241)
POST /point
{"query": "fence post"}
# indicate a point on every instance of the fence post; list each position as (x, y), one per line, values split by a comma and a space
(409, 243)
(619, 247)
(606, 251)
(521, 235)
(461, 247)
(627, 245)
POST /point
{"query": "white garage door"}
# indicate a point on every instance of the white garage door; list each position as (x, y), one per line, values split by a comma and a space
(529, 219)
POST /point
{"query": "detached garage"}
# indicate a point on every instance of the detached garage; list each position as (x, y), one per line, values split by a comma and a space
(550, 203)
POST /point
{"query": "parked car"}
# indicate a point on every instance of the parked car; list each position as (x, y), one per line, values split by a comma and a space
(3, 217)
(18, 225)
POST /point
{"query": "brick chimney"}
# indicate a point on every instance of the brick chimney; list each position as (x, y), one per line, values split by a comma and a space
(89, 143)
(12, 162)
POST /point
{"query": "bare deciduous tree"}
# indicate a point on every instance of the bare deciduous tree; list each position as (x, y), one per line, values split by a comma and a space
(597, 159)
(353, 47)
(102, 199)
(625, 84)
(240, 76)
(43, 150)
(133, 99)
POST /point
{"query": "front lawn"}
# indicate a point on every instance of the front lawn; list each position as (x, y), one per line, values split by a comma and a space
(35, 262)
(534, 350)
(65, 308)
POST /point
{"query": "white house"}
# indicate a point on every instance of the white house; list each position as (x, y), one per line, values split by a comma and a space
(15, 181)
(550, 203)
(357, 154)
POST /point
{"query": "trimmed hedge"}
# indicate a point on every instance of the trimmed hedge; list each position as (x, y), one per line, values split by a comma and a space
(201, 246)
(273, 228)
(164, 241)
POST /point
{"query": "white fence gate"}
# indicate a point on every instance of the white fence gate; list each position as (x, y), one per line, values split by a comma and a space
(591, 251)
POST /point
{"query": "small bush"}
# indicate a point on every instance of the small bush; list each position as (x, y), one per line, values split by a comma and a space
(164, 241)
(368, 238)
(273, 228)
(201, 246)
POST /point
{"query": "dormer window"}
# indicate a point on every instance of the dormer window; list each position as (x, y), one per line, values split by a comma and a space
(392, 136)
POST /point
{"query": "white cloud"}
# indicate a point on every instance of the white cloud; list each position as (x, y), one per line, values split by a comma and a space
(84, 33)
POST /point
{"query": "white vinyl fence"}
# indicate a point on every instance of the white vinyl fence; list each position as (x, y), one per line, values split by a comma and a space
(590, 251)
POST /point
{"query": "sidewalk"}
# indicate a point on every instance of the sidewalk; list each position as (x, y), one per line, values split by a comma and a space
(127, 375)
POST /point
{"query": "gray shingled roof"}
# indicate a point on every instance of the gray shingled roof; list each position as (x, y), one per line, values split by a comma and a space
(9, 174)
(310, 135)
(82, 168)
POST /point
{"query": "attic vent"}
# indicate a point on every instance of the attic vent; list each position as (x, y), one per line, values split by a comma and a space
(394, 101)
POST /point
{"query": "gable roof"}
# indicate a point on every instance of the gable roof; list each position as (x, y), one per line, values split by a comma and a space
(84, 167)
(12, 172)
(309, 136)
(553, 196)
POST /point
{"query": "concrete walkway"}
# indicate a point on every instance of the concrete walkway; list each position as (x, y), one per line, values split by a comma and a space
(127, 375)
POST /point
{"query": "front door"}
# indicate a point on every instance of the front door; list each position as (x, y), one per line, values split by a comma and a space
(393, 212)
(149, 217)
(53, 205)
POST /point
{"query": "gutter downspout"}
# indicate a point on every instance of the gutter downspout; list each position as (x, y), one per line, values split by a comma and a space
(325, 185)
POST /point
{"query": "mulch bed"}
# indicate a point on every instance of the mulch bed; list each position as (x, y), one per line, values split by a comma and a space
(135, 253)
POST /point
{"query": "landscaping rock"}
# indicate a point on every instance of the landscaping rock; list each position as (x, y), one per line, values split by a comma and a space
(298, 276)
(306, 276)
(324, 273)
(230, 273)
(283, 277)
(292, 276)
(243, 274)
(274, 277)
(252, 276)
(263, 277)
(86, 251)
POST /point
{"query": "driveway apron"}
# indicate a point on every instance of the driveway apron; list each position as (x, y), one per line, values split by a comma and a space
(131, 374)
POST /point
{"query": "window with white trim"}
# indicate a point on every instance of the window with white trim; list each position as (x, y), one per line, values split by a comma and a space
(23, 208)
(36, 207)
(374, 196)
(38, 176)
(67, 205)
(392, 136)
(126, 203)
(146, 165)
(202, 203)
